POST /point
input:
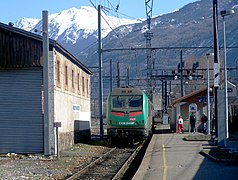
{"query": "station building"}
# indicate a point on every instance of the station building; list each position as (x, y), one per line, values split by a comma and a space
(198, 101)
(23, 127)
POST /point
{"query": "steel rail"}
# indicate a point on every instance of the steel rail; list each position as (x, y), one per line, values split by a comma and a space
(125, 166)
(76, 175)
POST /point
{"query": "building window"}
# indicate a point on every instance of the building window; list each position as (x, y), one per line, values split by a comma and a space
(78, 83)
(73, 79)
(83, 86)
(87, 86)
(66, 76)
(58, 73)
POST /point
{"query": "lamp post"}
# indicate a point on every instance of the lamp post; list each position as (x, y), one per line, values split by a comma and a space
(223, 14)
(216, 65)
(208, 95)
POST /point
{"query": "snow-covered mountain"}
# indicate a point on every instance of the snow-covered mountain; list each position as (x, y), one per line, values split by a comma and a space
(73, 24)
(26, 23)
(191, 26)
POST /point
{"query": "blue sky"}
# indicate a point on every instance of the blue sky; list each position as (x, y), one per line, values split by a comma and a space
(12, 10)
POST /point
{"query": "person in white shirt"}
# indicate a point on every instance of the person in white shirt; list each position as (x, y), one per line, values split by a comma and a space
(180, 125)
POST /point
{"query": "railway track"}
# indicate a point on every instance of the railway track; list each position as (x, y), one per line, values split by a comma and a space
(111, 165)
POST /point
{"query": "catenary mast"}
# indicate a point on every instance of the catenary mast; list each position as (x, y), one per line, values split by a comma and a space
(148, 35)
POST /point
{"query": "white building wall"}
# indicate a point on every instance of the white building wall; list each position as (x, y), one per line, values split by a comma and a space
(51, 103)
(71, 102)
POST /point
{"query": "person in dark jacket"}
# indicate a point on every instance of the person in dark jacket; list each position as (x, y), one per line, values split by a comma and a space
(192, 122)
(204, 121)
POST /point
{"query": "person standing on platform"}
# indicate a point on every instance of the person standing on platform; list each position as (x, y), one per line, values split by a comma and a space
(204, 121)
(180, 125)
(192, 122)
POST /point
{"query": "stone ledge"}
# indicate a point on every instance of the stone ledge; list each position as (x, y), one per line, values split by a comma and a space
(220, 155)
(197, 137)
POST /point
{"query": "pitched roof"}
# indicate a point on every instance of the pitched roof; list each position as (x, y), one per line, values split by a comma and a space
(184, 98)
(51, 43)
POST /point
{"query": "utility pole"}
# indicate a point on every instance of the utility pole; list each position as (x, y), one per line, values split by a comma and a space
(181, 73)
(165, 96)
(100, 72)
(110, 75)
(128, 77)
(223, 14)
(118, 74)
(208, 94)
(163, 101)
(216, 64)
(47, 148)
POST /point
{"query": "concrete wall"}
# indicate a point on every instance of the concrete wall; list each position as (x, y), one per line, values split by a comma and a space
(71, 99)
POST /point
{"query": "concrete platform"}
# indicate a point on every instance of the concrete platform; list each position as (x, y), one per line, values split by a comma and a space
(170, 157)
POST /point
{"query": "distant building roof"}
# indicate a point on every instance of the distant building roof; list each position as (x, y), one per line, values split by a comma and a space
(188, 97)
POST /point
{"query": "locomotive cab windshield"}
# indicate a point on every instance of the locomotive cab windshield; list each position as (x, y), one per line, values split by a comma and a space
(127, 102)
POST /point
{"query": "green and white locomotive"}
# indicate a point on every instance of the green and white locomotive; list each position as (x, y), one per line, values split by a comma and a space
(129, 115)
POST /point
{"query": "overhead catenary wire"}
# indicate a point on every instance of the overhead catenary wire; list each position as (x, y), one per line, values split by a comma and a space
(93, 4)
(87, 47)
(110, 10)
(107, 9)
(113, 31)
